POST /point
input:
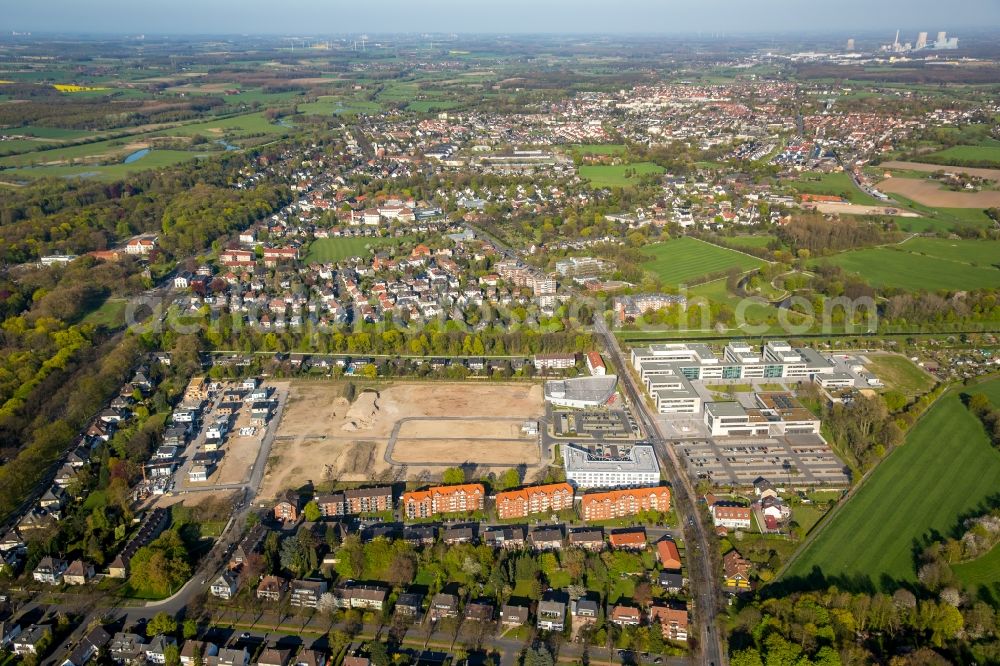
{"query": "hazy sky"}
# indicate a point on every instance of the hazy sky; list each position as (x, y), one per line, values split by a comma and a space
(491, 16)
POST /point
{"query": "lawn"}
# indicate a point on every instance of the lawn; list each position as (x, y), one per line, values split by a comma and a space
(323, 250)
(750, 241)
(946, 469)
(604, 175)
(111, 314)
(682, 260)
(895, 266)
(974, 252)
(975, 155)
(426, 106)
(982, 574)
(940, 219)
(838, 184)
(899, 373)
(599, 148)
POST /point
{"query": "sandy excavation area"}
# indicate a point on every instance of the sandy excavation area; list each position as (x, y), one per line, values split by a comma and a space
(324, 437)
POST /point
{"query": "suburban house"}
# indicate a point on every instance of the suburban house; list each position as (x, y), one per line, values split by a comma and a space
(736, 571)
(551, 615)
(28, 641)
(546, 537)
(479, 611)
(588, 538)
(229, 657)
(444, 605)
(306, 593)
(224, 587)
(409, 604)
(626, 616)
(156, 649)
(459, 534)
(127, 648)
(631, 539)
(196, 652)
(666, 551)
(585, 610)
(78, 573)
(513, 615)
(673, 621)
(271, 588)
(88, 647)
(274, 657)
(308, 657)
(671, 581)
(731, 515)
(511, 536)
(49, 570)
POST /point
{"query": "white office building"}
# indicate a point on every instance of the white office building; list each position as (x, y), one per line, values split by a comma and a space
(610, 466)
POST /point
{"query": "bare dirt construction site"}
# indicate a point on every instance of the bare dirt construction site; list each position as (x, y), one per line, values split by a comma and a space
(858, 209)
(406, 430)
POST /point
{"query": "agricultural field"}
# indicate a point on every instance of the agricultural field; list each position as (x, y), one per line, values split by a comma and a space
(682, 260)
(900, 373)
(985, 155)
(750, 241)
(946, 469)
(931, 193)
(328, 105)
(898, 266)
(603, 175)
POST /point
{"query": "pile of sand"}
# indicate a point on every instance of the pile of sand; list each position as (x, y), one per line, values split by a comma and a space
(361, 415)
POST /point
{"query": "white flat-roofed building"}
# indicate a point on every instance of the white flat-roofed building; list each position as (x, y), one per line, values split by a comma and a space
(777, 360)
(632, 466)
(581, 392)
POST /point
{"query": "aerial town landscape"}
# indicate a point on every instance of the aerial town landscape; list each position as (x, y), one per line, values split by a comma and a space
(500, 346)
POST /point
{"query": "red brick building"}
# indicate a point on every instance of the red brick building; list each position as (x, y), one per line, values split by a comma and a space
(619, 503)
(535, 499)
(444, 499)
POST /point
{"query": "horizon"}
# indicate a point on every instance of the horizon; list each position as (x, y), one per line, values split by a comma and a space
(515, 17)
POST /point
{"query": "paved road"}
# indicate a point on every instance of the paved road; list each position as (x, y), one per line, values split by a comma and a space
(704, 584)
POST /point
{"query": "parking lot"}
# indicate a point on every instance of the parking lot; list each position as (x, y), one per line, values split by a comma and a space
(798, 460)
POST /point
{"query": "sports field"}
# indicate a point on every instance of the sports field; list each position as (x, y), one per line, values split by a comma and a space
(946, 469)
(323, 250)
(681, 260)
(926, 263)
(613, 175)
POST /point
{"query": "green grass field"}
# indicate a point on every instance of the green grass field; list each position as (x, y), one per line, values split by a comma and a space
(981, 575)
(968, 155)
(838, 184)
(154, 160)
(750, 241)
(940, 219)
(613, 175)
(681, 260)
(323, 250)
(599, 148)
(946, 469)
(111, 314)
(329, 105)
(899, 373)
(927, 264)
(426, 106)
